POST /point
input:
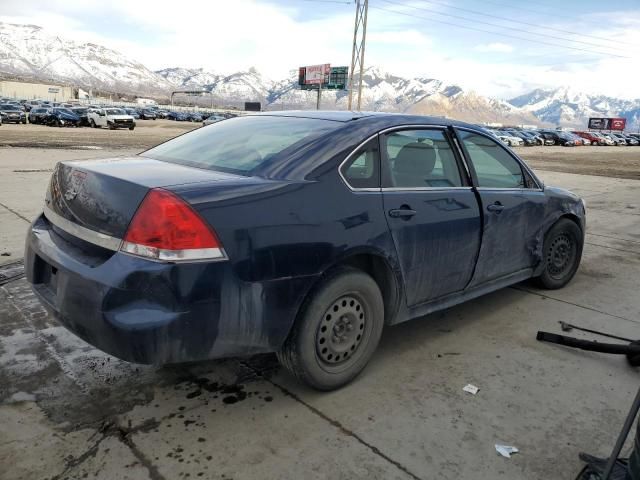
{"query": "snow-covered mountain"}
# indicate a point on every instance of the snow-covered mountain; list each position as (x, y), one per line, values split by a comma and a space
(381, 92)
(29, 51)
(565, 106)
(32, 53)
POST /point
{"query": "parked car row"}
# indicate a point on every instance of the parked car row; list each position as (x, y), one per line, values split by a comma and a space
(60, 114)
(515, 137)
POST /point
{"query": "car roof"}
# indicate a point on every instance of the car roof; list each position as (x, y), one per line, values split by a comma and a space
(364, 117)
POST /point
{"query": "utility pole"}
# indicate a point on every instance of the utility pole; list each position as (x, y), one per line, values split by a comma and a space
(319, 96)
(357, 52)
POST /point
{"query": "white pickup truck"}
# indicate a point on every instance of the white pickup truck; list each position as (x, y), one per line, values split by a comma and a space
(111, 118)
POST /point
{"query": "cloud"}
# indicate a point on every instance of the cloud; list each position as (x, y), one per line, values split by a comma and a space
(495, 47)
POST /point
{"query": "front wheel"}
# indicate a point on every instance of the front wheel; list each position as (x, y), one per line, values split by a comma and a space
(337, 330)
(131, 128)
(562, 252)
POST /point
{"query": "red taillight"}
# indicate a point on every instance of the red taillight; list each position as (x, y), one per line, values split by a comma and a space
(166, 228)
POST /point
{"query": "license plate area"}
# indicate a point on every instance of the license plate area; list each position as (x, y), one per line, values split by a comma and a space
(46, 278)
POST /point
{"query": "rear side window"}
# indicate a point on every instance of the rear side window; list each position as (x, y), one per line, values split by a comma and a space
(420, 159)
(362, 170)
(239, 145)
(494, 167)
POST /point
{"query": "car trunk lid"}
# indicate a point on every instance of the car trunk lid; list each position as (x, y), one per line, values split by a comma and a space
(103, 195)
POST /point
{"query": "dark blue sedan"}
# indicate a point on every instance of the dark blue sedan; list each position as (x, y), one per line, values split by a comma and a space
(301, 233)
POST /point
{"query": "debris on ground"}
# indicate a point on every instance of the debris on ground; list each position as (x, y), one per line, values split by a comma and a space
(506, 450)
(472, 389)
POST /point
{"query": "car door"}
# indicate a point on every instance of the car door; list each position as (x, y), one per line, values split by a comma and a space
(513, 207)
(432, 211)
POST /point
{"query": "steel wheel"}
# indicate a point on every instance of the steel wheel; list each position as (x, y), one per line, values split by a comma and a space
(341, 331)
(560, 255)
(337, 331)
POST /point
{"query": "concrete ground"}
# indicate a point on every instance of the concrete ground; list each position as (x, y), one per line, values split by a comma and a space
(69, 411)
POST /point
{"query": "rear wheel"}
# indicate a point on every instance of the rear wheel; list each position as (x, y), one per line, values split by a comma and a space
(562, 253)
(337, 330)
(131, 128)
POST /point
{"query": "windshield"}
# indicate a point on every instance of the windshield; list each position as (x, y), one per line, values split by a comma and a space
(80, 111)
(241, 144)
(114, 111)
(63, 110)
(9, 107)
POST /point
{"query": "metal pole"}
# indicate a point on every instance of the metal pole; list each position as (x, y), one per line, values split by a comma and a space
(319, 95)
(353, 54)
(364, 39)
(622, 437)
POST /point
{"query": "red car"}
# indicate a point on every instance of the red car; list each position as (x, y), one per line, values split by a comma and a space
(591, 137)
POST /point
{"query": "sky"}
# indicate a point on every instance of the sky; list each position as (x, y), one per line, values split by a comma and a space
(500, 48)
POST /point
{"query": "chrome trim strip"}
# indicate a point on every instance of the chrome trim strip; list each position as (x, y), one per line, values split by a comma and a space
(423, 189)
(499, 189)
(91, 236)
(417, 125)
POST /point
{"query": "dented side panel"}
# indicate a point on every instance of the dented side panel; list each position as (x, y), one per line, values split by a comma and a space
(511, 236)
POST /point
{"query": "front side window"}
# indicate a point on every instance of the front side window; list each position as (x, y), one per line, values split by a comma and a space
(420, 159)
(362, 170)
(493, 165)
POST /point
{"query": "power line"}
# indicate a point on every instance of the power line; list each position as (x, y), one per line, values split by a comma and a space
(460, 17)
(497, 17)
(466, 27)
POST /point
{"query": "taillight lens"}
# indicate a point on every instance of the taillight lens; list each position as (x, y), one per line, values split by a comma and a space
(166, 228)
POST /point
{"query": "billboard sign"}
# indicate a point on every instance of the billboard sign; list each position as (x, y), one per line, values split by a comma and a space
(617, 123)
(607, 123)
(316, 74)
(335, 80)
(54, 90)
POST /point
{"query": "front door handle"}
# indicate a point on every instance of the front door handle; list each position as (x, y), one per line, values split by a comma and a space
(404, 212)
(495, 207)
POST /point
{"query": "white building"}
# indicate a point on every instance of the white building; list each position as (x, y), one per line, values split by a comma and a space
(36, 91)
(145, 101)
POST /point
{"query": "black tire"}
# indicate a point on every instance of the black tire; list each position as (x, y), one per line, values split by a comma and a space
(561, 255)
(92, 123)
(337, 330)
(131, 128)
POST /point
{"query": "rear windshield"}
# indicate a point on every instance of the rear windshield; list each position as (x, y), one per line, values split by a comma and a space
(239, 145)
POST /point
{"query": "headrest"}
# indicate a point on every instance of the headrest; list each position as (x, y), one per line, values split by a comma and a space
(415, 158)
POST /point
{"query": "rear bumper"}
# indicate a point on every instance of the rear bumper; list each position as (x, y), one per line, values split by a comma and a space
(156, 313)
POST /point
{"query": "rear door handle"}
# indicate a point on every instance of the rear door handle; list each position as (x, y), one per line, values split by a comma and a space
(495, 207)
(405, 213)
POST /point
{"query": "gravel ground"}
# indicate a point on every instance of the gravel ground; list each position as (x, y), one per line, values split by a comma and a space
(147, 134)
(618, 162)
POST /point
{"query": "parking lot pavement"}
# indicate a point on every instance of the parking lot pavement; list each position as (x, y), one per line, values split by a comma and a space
(69, 411)
(24, 175)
